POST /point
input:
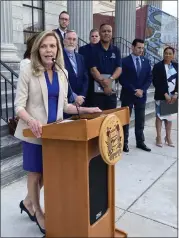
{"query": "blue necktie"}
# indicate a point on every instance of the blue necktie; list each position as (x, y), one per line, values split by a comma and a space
(138, 67)
(73, 63)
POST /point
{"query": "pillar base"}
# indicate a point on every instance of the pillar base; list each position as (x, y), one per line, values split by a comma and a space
(9, 53)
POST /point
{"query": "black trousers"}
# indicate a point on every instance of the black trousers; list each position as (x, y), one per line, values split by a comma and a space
(139, 108)
(102, 101)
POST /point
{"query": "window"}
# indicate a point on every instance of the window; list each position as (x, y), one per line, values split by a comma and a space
(139, 4)
(33, 17)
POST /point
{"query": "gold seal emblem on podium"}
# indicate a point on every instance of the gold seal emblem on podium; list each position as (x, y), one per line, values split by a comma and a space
(111, 139)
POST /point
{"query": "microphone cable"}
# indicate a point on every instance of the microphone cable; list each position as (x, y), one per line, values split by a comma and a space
(55, 62)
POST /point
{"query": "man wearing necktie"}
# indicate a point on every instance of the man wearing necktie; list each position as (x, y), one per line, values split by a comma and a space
(135, 79)
(77, 72)
(138, 67)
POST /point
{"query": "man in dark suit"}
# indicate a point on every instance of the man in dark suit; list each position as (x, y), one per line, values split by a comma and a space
(85, 50)
(64, 20)
(135, 79)
(77, 72)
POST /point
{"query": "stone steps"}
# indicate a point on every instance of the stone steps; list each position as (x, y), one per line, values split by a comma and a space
(11, 151)
(11, 169)
(9, 86)
(10, 111)
(11, 156)
(10, 146)
(150, 106)
(13, 65)
(4, 129)
(9, 95)
(5, 85)
(150, 99)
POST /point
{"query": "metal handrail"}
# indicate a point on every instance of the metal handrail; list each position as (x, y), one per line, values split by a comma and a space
(119, 39)
(125, 48)
(13, 85)
(7, 81)
(9, 69)
(122, 39)
(81, 42)
(79, 39)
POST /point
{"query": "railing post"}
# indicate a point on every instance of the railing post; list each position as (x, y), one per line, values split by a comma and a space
(12, 96)
(11, 83)
(6, 101)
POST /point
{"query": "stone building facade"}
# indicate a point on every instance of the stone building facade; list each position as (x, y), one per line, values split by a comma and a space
(20, 18)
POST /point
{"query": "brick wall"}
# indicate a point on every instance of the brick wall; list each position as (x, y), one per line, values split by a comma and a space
(99, 19)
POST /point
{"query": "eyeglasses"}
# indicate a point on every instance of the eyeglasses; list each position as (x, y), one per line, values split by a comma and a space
(64, 19)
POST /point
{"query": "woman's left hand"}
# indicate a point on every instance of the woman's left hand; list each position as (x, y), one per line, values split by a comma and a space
(173, 99)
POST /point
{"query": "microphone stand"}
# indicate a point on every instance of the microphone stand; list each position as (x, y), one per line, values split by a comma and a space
(54, 61)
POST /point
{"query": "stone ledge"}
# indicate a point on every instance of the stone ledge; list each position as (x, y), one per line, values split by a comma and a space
(10, 146)
(11, 170)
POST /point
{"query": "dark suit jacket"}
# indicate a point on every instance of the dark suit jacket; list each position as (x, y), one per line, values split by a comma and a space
(60, 36)
(79, 82)
(160, 80)
(86, 51)
(130, 81)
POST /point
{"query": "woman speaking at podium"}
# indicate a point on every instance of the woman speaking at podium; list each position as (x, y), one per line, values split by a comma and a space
(165, 81)
(41, 98)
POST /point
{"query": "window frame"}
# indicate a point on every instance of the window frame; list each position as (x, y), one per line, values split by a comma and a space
(32, 7)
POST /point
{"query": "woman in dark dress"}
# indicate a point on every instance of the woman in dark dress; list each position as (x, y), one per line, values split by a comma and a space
(165, 81)
(41, 98)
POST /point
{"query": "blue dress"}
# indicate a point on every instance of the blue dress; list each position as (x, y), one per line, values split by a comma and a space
(32, 153)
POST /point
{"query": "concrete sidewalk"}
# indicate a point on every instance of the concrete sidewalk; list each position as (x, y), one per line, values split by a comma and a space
(146, 193)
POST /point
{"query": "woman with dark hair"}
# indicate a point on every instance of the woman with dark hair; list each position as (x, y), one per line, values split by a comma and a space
(27, 53)
(165, 81)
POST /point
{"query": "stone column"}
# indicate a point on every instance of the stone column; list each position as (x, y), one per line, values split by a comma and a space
(156, 3)
(125, 20)
(8, 49)
(81, 18)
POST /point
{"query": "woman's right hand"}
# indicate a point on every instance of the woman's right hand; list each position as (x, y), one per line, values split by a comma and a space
(93, 109)
(167, 98)
(36, 127)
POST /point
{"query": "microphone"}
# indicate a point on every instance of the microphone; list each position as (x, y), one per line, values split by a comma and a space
(55, 62)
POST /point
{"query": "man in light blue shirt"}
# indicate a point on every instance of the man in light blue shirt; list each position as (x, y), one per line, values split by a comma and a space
(72, 58)
(77, 72)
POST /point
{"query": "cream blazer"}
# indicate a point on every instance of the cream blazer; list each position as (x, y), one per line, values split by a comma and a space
(32, 95)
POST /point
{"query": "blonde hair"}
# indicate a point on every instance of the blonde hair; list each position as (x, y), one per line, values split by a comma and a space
(37, 66)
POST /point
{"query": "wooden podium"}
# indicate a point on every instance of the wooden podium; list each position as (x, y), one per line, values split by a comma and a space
(71, 195)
